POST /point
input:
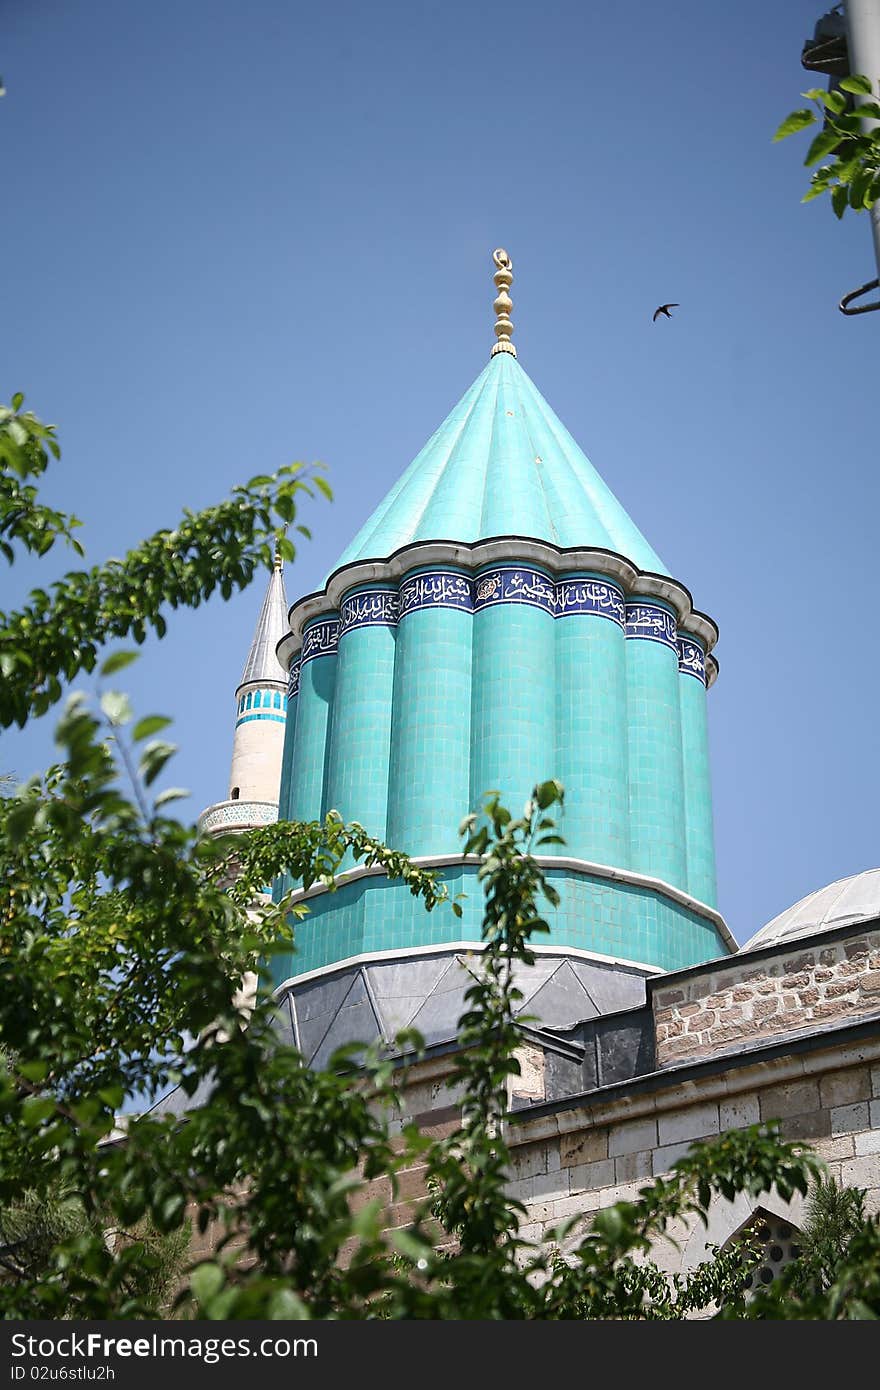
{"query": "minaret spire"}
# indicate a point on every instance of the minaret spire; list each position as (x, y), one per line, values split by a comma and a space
(503, 278)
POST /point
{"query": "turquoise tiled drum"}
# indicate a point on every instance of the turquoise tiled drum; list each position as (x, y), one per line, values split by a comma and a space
(500, 620)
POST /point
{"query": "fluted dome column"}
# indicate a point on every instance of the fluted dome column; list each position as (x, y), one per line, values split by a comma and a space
(656, 775)
(513, 699)
(431, 721)
(697, 779)
(591, 719)
(360, 725)
(317, 680)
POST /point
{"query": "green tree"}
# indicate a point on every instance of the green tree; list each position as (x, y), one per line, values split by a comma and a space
(844, 157)
(123, 956)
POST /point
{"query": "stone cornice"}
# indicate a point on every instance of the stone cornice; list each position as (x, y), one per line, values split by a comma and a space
(517, 549)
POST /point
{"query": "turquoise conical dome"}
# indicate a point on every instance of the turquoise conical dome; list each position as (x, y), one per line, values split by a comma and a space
(502, 464)
(499, 620)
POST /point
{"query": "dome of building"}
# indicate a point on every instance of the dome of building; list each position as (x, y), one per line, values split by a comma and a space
(502, 464)
(500, 620)
(840, 904)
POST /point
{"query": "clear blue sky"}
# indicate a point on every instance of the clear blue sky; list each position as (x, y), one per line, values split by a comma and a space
(234, 235)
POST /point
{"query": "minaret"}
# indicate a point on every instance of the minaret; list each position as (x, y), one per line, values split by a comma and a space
(260, 719)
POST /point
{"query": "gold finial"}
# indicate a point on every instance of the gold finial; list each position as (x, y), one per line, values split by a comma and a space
(503, 278)
(278, 563)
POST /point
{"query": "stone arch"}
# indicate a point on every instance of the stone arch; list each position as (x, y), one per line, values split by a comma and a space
(728, 1219)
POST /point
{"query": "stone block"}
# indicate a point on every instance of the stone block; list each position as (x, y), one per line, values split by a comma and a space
(737, 1113)
(531, 1232)
(530, 1084)
(797, 963)
(792, 1098)
(870, 982)
(586, 1177)
(862, 1172)
(847, 1118)
(875, 1080)
(855, 950)
(678, 1049)
(523, 1189)
(763, 1008)
(867, 1143)
(663, 1159)
(631, 1167)
(586, 1147)
(665, 998)
(840, 1147)
(528, 1160)
(874, 1113)
(731, 1032)
(411, 1184)
(845, 1087)
(549, 1186)
(809, 1126)
(565, 1207)
(839, 989)
(696, 1122)
(632, 1136)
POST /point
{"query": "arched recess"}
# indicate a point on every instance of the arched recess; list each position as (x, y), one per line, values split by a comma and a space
(779, 1240)
(728, 1220)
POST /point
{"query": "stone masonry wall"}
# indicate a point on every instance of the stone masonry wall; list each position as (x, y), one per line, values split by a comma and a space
(577, 1159)
(748, 1001)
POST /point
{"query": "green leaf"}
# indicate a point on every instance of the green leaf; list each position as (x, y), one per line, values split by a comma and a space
(172, 794)
(36, 1109)
(840, 199)
(860, 186)
(117, 661)
(117, 706)
(323, 486)
(18, 400)
(34, 1071)
(154, 758)
(150, 724)
(824, 143)
(206, 1281)
(868, 110)
(858, 84)
(286, 1306)
(411, 1246)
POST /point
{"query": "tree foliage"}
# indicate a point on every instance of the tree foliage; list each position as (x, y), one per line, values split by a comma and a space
(846, 149)
(126, 947)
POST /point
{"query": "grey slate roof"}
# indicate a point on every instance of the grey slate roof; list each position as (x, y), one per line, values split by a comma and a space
(262, 663)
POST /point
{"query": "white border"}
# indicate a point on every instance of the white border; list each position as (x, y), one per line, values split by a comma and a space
(438, 948)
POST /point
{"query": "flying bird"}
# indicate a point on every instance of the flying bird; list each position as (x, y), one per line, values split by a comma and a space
(664, 309)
